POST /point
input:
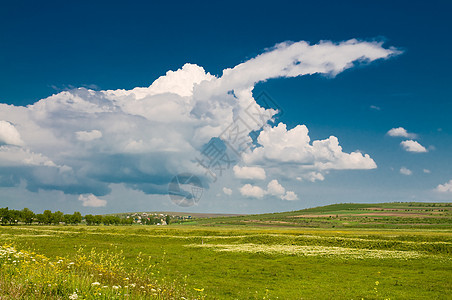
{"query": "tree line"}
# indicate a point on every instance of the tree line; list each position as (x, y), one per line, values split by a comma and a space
(26, 216)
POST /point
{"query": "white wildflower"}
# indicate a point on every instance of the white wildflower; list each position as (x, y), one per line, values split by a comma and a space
(73, 296)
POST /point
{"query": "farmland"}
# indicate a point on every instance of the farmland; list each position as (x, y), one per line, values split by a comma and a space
(382, 215)
(348, 251)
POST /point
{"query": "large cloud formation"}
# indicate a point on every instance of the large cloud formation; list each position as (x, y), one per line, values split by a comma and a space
(81, 141)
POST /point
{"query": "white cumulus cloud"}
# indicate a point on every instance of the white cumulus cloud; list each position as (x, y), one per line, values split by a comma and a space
(9, 134)
(249, 172)
(290, 196)
(274, 188)
(142, 137)
(401, 132)
(227, 191)
(90, 200)
(311, 160)
(252, 191)
(16, 156)
(413, 146)
(445, 188)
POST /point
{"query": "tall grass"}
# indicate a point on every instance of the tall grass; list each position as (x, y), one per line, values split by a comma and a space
(89, 275)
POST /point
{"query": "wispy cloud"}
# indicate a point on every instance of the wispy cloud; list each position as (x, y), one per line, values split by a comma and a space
(405, 171)
(68, 87)
(227, 191)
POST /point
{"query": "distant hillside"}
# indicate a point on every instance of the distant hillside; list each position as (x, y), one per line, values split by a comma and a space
(350, 215)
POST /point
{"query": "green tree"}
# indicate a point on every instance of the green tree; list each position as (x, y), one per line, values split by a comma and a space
(127, 221)
(68, 219)
(76, 218)
(168, 219)
(107, 220)
(15, 216)
(98, 219)
(57, 217)
(48, 216)
(40, 218)
(27, 216)
(4, 215)
(116, 220)
(89, 219)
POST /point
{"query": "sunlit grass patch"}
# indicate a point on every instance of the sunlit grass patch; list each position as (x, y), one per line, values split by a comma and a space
(339, 252)
(270, 268)
(93, 275)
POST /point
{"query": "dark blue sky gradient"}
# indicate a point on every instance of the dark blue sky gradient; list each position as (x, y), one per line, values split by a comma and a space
(128, 44)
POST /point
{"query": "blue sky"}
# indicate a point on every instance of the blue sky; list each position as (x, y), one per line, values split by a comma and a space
(52, 48)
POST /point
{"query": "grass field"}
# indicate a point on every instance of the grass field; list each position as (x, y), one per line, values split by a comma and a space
(294, 255)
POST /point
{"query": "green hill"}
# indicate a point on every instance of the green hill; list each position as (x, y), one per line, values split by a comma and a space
(350, 215)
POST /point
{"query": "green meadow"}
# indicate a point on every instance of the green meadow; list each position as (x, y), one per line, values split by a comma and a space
(348, 251)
